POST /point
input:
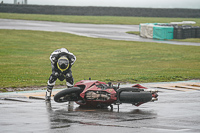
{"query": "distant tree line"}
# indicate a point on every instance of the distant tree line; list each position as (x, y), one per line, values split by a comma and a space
(100, 11)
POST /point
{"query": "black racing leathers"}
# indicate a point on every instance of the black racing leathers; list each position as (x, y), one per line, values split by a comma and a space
(57, 73)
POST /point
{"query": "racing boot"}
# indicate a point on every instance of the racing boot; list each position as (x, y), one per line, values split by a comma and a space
(69, 85)
(48, 93)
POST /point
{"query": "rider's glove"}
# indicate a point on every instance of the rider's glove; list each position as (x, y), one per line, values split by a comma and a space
(53, 59)
(72, 62)
(56, 74)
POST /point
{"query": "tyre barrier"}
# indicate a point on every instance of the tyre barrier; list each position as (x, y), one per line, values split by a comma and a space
(168, 31)
(183, 32)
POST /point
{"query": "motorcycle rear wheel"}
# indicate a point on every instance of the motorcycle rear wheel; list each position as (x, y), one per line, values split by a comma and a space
(135, 97)
(70, 94)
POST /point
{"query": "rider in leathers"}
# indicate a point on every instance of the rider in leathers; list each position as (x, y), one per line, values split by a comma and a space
(61, 63)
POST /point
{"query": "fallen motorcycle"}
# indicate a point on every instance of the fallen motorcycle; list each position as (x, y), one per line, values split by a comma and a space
(97, 94)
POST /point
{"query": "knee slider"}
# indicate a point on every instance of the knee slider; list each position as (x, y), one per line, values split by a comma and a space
(52, 78)
(68, 75)
(55, 74)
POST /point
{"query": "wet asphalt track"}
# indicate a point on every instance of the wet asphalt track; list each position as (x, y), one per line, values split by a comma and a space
(114, 32)
(174, 112)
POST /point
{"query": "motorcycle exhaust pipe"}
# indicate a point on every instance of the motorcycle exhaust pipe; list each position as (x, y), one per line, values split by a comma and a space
(151, 90)
(154, 99)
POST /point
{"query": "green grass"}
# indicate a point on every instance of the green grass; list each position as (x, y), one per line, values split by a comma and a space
(188, 40)
(133, 32)
(96, 19)
(24, 57)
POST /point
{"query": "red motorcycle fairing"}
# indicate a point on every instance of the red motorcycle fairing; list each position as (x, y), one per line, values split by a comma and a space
(96, 93)
(139, 86)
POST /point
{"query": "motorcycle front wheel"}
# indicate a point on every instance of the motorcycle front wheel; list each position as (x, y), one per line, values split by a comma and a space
(70, 94)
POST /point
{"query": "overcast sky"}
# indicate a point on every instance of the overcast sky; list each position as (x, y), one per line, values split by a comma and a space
(118, 3)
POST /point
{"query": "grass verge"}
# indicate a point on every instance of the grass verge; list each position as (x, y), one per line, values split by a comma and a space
(96, 19)
(133, 32)
(24, 57)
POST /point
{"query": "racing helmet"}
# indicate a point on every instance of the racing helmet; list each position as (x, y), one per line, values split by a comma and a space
(63, 63)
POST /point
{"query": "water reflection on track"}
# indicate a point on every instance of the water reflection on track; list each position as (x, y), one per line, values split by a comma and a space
(69, 115)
